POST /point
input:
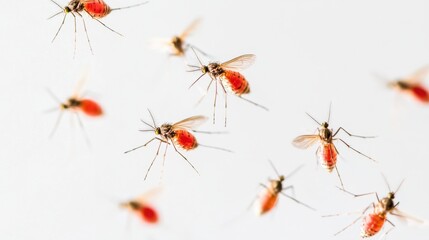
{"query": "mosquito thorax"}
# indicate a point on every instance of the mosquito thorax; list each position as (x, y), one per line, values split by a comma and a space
(73, 102)
(215, 69)
(134, 205)
(277, 185)
(74, 6)
(387, 203)
(402, 84)
(177, 43)
(166, 130)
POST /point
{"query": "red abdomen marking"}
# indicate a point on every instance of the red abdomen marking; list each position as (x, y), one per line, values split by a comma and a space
(372, 224)
(328, 156)
(97, 8)
(236, 82)
(267, 201)
(148, 214)
(90, 108)
(420, 93)
(185, 139)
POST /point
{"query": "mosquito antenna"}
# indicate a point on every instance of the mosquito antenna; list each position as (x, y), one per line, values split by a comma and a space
(53, 96)
(217, 148)
(57, 123)
(254, 103)
(197, 56)
(56, 14)
(131, 6)
(399, 186)
(82, 127)
(387, 183)
(313, 118)
(104, 25)
(329, 113)
(57, 4)
(274, 168)
(153, 119)
(59, 29)
(294, 171)
(147, 125)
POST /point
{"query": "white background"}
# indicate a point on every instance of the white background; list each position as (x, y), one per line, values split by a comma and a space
(309, 54)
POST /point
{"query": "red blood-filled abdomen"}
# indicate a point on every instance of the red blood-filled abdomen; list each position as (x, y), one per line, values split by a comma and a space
(328, 156)
(267, 201)
(372, 224)
(236, 82)
(96, 8)
(185, 139)
(420, 93)
(148, 214)
(90, 108)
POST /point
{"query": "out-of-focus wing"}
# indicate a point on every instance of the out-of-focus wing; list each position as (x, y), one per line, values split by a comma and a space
(190, 123)
(194, 24)
(305, 141)
(409, 219)
(418, 76)
(240, 62)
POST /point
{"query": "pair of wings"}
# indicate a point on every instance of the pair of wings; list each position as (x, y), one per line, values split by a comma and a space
(190, 123)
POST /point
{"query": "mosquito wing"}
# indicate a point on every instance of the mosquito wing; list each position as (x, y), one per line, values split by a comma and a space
(190, 123)
(409, 218)
(418, 76)
(305, 141)
(240, 62)
(190, 29)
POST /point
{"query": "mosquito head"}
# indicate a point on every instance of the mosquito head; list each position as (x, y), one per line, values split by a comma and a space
(158, 131)
(67, 9)
(325, 124)
(391, 195)
(281, 178)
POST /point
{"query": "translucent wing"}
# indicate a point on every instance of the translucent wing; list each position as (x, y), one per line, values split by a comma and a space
(408, 218)
(305, 141)
(190, 123)
(418, 76)
(240, 62)
(190, 29)
(149, 194)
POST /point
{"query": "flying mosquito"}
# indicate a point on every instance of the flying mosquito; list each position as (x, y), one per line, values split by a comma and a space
(326, 151)
(228, 76)
(96, 9)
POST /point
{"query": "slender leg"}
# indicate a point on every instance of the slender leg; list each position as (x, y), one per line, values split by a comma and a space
(184, 158)
(354, 149)
(226, 95)
(57, 123)
(86, 33)
(357, 219)
(339, 177)
(154, 158)
(297, 201)
(144, 145)
(351, 135)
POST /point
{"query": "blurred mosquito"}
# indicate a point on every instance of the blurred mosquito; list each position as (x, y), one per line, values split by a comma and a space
(177, 45)
(267, 200)
(326, 151)
(227, 75)
(96, 9)
(411, 85)
(144, 210)
(76, 104)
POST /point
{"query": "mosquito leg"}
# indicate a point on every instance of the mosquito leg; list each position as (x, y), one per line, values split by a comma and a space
(387, 232)
(144, 145)
(351, 135)
(57, 123)
(154, 158)
(214, 105)
(297, 201)
(292, 188)
(358, 195)
(96, 19)
(226, 95)
(85, 134)
(184, 158)
(354, 149)
(86, 33)
(317, 155)
(163, 161)
(205, 94)
(59, 29)
(357, 219)
(75, 34)
(339, 177)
